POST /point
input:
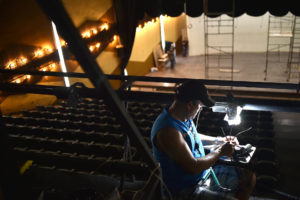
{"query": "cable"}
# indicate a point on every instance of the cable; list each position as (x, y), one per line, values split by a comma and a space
(243, 131)
(197, 120)
(148, 181)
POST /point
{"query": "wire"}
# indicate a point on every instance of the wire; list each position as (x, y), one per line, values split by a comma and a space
(197, 120)
(159, 178)
(243, 131)
(223, 132)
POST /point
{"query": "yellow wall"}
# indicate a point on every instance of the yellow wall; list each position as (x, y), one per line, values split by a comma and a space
(80, 11)
(173, 27)
(147, 38)
(140, 68)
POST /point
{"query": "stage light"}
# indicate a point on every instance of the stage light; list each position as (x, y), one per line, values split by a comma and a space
(94, 31)
(38, 53)
(104, 27)
(233, 114)
(52, 66)
(11, 65)
(91, 48)
(23, 60)
(49, 49)
(63, 43)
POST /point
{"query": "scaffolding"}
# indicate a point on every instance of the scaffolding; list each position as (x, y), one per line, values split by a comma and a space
(279, 42)
(219, 43)
(293, 66)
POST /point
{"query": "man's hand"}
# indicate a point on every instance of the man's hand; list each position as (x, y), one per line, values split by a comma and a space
(227, 149)
(232, 139)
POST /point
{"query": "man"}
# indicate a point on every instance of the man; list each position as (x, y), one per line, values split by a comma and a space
(179, 149)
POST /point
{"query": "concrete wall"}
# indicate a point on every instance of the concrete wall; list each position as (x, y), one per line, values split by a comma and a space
(250, 35)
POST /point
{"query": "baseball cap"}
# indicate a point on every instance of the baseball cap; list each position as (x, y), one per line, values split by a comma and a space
(194, 90)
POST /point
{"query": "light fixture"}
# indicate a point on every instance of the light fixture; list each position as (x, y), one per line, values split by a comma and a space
(162, 32)
(98, 44)
(60, 54)
(91, 48)
(49, 49)
(94, 31)
(38, 53)
(104, 27)
(11, 65)
(23, 60)
(62, 42)
(233, 114)
(232, 111)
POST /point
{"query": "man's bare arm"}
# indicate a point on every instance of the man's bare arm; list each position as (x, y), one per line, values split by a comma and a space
(171, 142)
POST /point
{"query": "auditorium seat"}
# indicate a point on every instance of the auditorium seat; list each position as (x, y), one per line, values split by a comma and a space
(87, 139)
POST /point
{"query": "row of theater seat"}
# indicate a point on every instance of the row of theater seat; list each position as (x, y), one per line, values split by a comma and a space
(74, 139)
(74, 110)
(62, 132)
(79, 129)
(72, 117)
(63, 124)
(70, 134)
(68, 146)
(86, 163)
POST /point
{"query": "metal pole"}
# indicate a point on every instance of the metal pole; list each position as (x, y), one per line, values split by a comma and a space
(57, 13)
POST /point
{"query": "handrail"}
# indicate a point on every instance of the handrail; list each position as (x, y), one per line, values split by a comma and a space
(270, 85)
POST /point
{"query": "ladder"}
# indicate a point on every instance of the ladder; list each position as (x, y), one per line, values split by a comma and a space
(219, 43)
(280, 34)
(293, 65)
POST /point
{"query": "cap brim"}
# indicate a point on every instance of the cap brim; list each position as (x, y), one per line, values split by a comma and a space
(208, 101)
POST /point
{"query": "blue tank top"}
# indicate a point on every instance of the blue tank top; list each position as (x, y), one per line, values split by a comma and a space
(173, 175)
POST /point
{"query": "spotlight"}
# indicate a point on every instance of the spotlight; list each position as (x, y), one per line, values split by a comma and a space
(232, 111)
(233, 114)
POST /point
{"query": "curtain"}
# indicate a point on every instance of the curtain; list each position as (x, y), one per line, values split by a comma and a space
(128, 12)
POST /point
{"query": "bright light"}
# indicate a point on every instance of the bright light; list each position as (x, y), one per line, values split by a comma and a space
(139, 28)
(115, 39)
(86, 34)
(11, 65)
(63, 43)
(23, 60)
(49, 49)
(125, 72)
(91, 48)
(98, 45)
(94, 31)
(38, 53)
(52, 66)
(28, 76)
(233, 117)
(162, 32)
(104, 26)
(60, 53)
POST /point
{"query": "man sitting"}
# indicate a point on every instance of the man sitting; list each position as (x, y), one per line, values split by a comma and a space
(178, 147)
